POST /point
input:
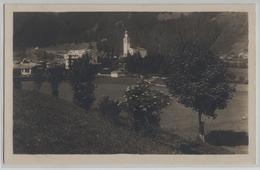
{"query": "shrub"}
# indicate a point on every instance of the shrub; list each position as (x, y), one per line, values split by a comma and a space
(83, 94)
(144, 105)
(109, 108)
(82, 79)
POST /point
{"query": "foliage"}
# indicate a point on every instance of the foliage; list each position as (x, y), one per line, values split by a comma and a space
(55, 77)
(17, 79)
(38, 77)
(82, 80)
(144, 105)
(151, 64)
(199, 80)
(83, 94)
(134, 63)
(109, 108)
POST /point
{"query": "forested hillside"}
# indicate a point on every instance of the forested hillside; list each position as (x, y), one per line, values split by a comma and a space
(161, 33)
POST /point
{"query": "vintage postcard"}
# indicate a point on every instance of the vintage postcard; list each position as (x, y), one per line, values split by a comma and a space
(129, 85)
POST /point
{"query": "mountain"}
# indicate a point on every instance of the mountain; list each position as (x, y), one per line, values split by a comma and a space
(234, 37)
(163, 32)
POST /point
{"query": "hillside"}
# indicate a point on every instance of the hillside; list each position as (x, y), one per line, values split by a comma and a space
(234, 37)
(47, 125)
(44, 124)
(224, 32)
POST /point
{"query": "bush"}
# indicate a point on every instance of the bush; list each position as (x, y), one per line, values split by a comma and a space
(83, 94)
(144, 106)
(82, 79)
(109, 108)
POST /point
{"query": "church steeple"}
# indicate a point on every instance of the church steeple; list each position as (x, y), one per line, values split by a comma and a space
(126, 44)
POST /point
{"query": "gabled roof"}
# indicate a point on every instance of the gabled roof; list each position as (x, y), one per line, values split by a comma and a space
(25, 64)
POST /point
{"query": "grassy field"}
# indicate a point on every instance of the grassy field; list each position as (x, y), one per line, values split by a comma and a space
(176, 118)
(47, 125)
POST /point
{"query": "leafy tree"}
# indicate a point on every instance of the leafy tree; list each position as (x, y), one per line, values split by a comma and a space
(134, 63)
(55, 77)
(152, 63)
(17, 79)
(37, 77)
(82, 80)
(199, 80)
(144, 105)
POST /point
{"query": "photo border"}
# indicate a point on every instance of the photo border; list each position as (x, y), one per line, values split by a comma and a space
(127, 159)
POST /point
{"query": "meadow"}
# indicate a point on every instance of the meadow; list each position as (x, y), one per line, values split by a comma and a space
(175, 118)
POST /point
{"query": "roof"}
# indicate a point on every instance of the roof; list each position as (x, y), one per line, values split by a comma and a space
(25, 64)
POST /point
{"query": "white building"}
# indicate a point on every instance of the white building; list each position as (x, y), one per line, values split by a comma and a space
(141, 51)
(73, 54)
(76, 54)
(116, 74)
(25, 67)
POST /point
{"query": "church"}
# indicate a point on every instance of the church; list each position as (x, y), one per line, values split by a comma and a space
(127, 49)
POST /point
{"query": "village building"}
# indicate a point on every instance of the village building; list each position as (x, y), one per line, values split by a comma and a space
(71, 56)
(90, 49)
(25, 67)
(141, 51)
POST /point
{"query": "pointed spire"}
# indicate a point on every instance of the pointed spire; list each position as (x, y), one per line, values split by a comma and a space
(126, 34)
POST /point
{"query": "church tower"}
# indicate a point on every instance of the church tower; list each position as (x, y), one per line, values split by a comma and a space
(126, 44)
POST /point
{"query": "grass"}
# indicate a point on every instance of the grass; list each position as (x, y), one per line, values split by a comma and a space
(47, 125)
(176, 118)
(44, 124)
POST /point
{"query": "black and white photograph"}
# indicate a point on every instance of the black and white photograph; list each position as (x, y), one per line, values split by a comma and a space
(130, 82)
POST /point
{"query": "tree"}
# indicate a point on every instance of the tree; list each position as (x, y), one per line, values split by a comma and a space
(152, 63)
(134, 63)
(144, 105)
(55, 77)
(17, 79)
(37, 77)
(199, 80)
(82, 79)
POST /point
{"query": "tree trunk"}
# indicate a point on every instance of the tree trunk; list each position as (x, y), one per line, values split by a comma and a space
(201, 128)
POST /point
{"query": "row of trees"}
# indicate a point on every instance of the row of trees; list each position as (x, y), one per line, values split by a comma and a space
(54, 75)
(81, 75)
